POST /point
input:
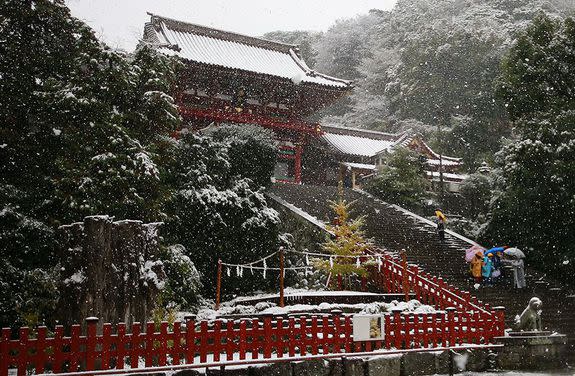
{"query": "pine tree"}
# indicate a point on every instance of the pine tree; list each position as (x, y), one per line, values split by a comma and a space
(349, 242)
(81, 127)
(534, 206)
(401, 181)
(215, 214)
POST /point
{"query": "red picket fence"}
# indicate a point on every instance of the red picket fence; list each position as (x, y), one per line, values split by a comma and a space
(201, 342)
(463, 319)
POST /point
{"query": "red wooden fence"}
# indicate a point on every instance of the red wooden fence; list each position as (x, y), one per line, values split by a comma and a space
(200, 342)
(463, 319)
(428, 289)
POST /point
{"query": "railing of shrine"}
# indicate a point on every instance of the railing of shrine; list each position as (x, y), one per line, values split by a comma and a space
(428, 289)
(191, 342)
(460, 319)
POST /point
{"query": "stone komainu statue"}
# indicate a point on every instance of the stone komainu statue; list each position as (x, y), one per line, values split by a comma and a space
(530, 319)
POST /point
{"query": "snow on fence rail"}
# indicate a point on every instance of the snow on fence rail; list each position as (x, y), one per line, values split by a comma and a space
(428, 289)
(464, 320)
(193, 342)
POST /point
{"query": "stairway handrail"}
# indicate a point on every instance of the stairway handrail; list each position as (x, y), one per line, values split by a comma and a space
(400, 267)
(302, 213)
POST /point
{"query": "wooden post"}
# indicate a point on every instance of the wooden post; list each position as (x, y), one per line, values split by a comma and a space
(218, 285)
(282, 276)
(405, 274)
(91, 332)
(297, 164)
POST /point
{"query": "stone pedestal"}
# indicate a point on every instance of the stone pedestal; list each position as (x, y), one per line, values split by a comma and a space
(532, 351)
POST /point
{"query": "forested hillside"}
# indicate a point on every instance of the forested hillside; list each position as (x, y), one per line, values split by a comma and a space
(484, 80)
(426, 63)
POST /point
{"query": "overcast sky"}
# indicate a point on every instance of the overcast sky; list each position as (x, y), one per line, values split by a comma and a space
(120, 22)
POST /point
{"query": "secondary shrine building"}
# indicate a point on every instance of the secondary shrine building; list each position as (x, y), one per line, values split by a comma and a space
(238, 79)
(234, 78)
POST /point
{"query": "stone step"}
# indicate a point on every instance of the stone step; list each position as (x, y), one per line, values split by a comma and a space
(393, 229)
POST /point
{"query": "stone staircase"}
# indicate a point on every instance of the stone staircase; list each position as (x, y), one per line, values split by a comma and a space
(394, 229)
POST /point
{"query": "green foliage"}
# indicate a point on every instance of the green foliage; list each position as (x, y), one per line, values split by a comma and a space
(79, 135)
(534, 206)
(183, 279)
(401, 181)
(476, 191)
(349, 241)
(474, 141)
(252, 151)
(446, 75)
(214, 214)
(537, 74)
(27, 287)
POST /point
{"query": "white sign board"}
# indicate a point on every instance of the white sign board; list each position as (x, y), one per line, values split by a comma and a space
(368, 327)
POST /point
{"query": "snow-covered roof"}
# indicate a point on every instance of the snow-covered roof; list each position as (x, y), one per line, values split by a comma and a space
(231, 50)
(447, 176)
(359, 166)
(360, 142)
(365, 147)
(446, 161)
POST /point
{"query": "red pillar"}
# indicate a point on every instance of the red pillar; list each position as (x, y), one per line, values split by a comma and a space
(297, 164)
(282, 276)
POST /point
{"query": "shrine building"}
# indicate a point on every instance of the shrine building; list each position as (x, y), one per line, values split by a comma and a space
(234, 78)
(230, 78)
(355, 155)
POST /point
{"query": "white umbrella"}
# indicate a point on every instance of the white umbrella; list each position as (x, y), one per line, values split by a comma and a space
(515, 252)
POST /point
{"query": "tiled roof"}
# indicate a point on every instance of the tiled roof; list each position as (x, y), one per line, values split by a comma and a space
(231, 50)
(361, 146)
(359, 166)
(447, 176)
(444, 161)
(360, 142)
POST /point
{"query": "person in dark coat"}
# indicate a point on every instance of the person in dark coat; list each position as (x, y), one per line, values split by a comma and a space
(440, 221)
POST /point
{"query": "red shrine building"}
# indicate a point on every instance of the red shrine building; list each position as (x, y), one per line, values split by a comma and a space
(231, 78)
(234, 78)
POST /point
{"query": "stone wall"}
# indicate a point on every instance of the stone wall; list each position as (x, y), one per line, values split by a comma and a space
(110, 270)
(410, 364)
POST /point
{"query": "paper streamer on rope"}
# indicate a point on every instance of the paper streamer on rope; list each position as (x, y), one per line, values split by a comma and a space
(228, 273)
(264, 273)
(307, 259)
(331, 262)
(357, 263)
(238, 270)
(379, 263)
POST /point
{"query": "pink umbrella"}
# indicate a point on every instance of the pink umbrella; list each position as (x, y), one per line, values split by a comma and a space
(471, 252)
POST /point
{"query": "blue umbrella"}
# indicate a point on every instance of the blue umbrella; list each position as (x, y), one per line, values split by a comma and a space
(493, 250)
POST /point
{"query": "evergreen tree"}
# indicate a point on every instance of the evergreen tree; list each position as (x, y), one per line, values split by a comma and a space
(349, 241)
(252, 151)
(79, 129)
(401, 181)
(534, 206)
(215, 214)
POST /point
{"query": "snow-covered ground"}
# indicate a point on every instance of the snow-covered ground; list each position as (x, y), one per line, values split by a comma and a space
(271, 308)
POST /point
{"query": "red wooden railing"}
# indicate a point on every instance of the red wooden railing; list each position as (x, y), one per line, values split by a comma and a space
(202, 342)
(428, 289)
(462, 319)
